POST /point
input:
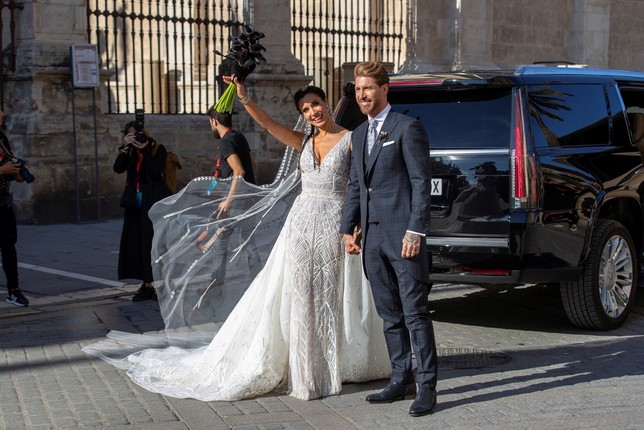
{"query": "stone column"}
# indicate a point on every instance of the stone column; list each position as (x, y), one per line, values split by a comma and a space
(430, 38)
(473, 48)
(40, 118)
(590, 32)
(273, 84)
(449, 35)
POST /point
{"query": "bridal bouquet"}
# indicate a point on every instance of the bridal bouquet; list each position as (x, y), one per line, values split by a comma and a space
(246, 52)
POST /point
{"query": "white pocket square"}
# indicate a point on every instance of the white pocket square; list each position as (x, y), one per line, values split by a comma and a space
(388, 143)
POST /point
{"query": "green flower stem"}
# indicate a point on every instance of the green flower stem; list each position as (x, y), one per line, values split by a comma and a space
(227, 99)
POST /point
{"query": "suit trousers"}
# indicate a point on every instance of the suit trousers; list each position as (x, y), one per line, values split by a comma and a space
(402, 302)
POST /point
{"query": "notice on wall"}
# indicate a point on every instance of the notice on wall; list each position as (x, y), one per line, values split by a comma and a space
(84, 66)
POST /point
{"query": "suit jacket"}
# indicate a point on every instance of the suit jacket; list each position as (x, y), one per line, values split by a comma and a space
(392, 185)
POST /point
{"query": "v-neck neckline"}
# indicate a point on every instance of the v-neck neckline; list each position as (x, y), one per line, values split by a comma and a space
(315, 158)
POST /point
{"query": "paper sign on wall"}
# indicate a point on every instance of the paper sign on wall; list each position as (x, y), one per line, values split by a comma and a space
(85, 66)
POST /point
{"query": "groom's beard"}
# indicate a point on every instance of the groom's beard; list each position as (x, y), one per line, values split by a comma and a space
(217, 135)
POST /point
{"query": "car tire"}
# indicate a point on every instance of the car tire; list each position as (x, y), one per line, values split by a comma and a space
(602, 296)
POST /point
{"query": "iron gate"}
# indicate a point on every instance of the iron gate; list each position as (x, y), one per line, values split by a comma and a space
(161, 52)
(330, 36)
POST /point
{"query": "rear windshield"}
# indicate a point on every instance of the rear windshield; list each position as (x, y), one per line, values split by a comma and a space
(460, 118)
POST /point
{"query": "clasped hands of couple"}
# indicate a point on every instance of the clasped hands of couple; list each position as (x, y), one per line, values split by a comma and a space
(410, 243)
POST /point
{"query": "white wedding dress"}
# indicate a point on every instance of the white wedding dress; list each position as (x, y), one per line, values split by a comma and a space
(305, 325)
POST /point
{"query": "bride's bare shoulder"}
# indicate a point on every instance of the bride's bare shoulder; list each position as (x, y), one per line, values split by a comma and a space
(344, 132)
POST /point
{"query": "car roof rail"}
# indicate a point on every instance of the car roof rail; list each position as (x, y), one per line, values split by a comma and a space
(577, 70)
(557, 63)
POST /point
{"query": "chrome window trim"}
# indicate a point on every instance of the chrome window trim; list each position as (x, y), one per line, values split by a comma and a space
(478, 242)
(444, 152)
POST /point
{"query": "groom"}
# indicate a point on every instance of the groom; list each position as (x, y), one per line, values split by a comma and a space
(388, 195)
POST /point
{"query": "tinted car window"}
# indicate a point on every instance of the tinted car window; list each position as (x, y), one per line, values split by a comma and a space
(460, 118)
(620, 135)
(568, 115)
(634, 104)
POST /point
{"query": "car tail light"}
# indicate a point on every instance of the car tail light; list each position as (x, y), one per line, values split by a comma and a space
(524, 190)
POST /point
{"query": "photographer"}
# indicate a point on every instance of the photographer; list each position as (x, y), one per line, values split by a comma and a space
(10, 169)
(142, 158)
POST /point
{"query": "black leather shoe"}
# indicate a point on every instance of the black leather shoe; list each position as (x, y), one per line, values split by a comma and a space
(144, 293)
(424, 402)
(392, 392)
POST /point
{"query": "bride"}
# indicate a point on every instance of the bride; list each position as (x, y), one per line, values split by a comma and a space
(304, 324)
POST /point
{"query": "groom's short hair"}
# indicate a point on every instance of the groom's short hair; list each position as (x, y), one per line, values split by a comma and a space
(371, 69)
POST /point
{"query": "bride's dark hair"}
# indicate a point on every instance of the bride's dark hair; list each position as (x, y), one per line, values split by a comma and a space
(299, 95)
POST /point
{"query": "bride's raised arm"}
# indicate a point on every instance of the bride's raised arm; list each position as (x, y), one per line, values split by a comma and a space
(279, 131)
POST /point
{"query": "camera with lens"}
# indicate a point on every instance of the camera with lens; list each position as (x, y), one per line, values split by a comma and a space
(23, 172)
(139, 121)
(139, 134)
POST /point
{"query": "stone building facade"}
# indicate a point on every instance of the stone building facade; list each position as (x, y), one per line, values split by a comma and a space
(70, 142)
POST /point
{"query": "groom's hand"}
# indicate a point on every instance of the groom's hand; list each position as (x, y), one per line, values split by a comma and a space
(410, 245)
(350, 244)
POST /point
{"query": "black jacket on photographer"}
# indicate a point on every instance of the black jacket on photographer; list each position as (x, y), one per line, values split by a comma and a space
(5, 180)
(8, 227)
(144, 169)
(144, 172)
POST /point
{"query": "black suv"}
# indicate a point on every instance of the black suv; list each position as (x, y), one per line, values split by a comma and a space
(536, 178)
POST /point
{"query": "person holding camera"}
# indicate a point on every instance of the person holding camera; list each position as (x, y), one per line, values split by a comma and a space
(142, 158)
(11, 169)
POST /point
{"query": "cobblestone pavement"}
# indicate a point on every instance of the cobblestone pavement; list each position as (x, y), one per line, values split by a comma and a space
(509, 359)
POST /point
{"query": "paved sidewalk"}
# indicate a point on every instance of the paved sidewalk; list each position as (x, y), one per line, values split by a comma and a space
(508, 359)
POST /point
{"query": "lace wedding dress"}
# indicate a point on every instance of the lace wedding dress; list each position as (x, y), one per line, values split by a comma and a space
(304, 325)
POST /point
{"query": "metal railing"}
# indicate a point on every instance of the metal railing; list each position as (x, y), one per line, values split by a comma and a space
(162, 51)
(329, 37)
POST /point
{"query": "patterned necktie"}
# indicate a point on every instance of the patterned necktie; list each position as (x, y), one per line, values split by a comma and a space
(371, 134)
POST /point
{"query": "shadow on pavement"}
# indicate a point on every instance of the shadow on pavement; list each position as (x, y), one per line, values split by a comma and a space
(532, 308)
(551, 368)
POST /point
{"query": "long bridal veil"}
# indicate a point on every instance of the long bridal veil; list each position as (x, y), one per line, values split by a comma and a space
(204, 260)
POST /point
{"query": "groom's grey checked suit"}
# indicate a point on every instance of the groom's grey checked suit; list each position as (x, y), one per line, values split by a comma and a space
(389, 194)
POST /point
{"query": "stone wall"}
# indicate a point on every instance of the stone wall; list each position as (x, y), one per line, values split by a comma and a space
(625, 48)
(598, 33)
(57, 140)
(524, 32)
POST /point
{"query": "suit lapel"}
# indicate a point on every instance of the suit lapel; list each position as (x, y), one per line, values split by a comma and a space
(359, 142)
